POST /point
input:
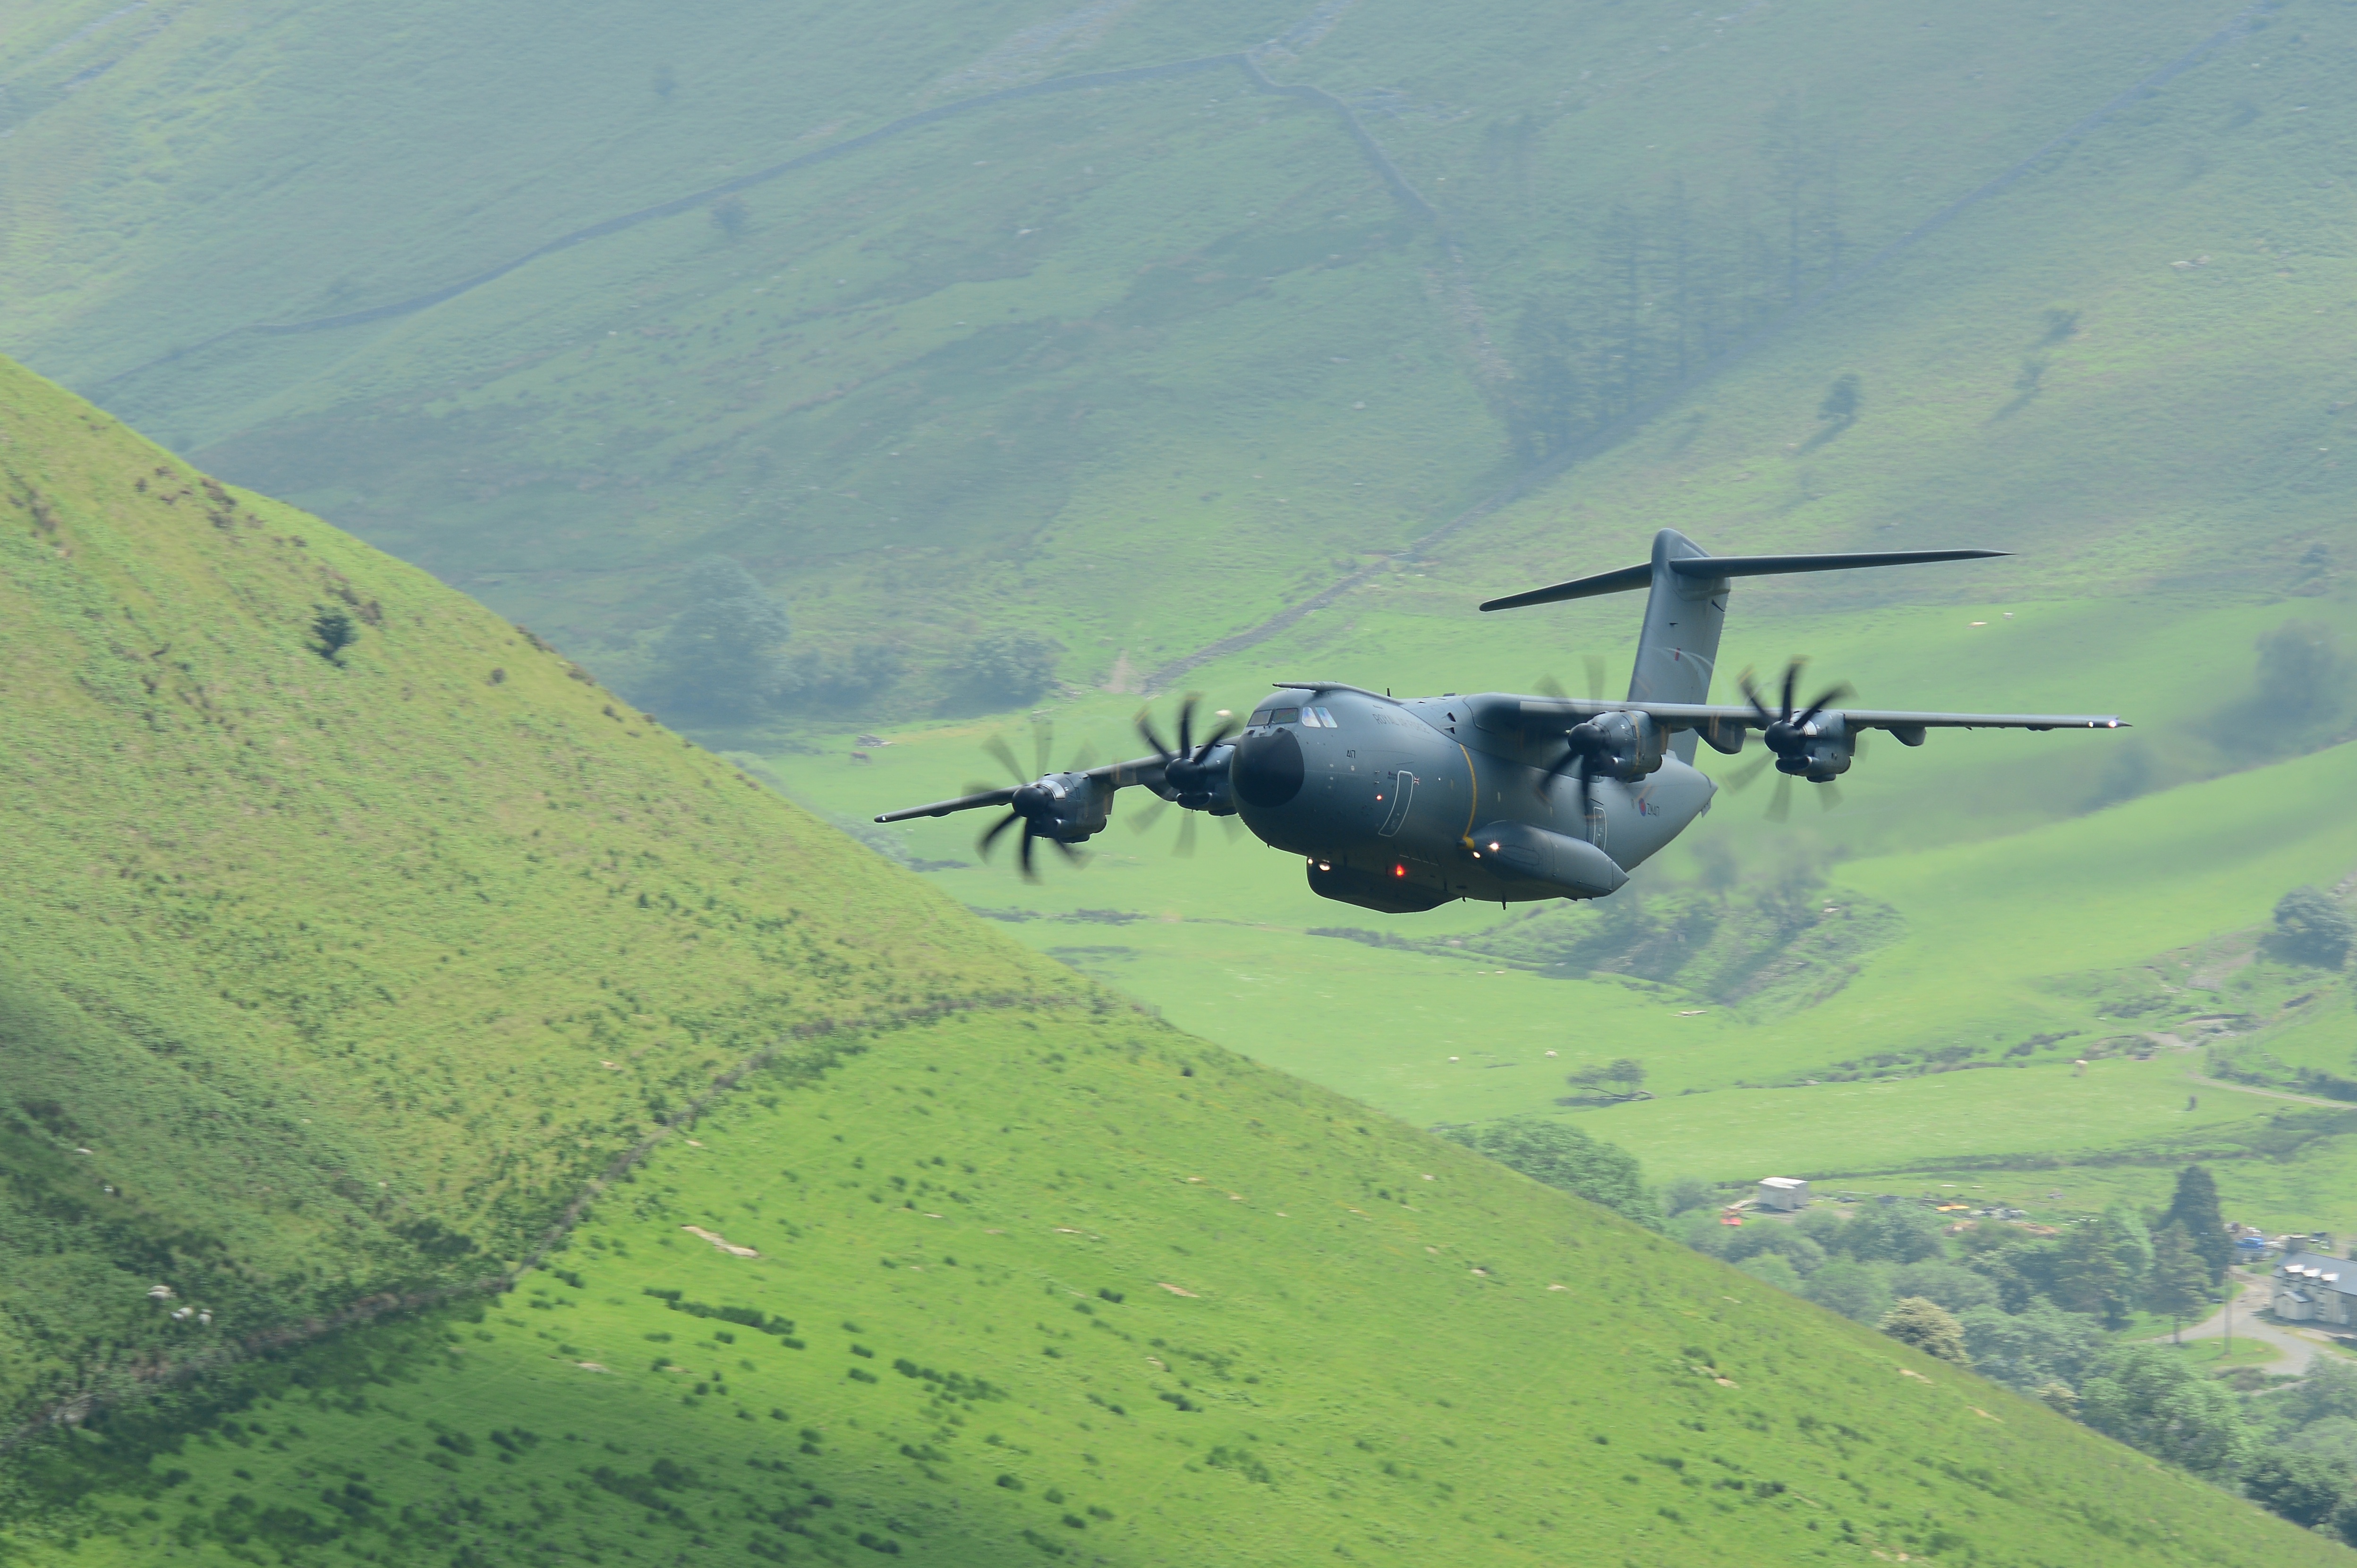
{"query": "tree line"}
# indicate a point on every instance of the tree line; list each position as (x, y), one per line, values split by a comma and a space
(1675, 283)
(730, 657)
(2037, 1312)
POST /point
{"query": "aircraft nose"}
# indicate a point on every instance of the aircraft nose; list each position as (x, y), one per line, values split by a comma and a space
(1266, 771)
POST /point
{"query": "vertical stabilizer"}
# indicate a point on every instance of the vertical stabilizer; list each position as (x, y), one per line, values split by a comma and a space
(1678, 650)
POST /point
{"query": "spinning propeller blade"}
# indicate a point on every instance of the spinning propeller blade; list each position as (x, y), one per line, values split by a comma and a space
(997, 747)
(1743, 778)
(1784, 732)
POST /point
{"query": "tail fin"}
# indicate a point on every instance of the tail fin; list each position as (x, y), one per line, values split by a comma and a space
(1678, 650)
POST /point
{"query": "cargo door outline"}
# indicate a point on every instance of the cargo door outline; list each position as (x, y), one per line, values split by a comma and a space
(1403, 794)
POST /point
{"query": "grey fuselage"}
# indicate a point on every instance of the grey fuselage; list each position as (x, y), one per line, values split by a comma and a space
(1405, 805)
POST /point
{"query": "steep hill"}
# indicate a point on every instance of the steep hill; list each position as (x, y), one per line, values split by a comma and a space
(324, 878)
(337, 972)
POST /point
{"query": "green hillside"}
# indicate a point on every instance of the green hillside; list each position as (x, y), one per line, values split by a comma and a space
(970, 1264)
(1142, 363)
(332, 975)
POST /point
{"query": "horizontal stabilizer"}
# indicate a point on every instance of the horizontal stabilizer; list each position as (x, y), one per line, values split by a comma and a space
(1716, 568)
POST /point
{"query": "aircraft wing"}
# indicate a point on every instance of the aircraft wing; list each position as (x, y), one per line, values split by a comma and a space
(1144, 771)
(1722, 721)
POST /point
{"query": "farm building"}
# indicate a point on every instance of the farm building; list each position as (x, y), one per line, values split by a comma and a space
(1784, 1192)
(2312, 1287)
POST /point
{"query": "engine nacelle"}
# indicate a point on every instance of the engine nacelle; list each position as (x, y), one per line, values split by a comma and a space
(1626, 747)
(1072, 807)
(1823, 751)
(1203, 785)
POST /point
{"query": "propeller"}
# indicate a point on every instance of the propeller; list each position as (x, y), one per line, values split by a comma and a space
(1548, 686)
(1031, 804)
(1193, 783)
(1584, 743)
(1784, 732)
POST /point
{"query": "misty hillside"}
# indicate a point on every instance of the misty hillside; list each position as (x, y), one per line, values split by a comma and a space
(1123, 329)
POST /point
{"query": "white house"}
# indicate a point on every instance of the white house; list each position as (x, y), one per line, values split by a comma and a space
(1784, 1192)
(2311, 1288)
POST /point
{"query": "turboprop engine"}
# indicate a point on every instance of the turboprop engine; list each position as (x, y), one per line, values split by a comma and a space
(1815, 743)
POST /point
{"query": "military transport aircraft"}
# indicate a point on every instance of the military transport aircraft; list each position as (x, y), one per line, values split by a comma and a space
(1404, 804)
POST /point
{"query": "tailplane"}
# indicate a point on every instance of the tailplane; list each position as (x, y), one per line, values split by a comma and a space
(1677, 652)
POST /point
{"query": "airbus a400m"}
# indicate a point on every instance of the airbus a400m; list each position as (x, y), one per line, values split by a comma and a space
(1403, 804)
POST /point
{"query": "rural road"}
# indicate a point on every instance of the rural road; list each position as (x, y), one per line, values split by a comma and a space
(2298, 1347)
(2265, 1093)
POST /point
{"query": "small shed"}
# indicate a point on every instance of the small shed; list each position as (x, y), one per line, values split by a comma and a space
(1784, 1192)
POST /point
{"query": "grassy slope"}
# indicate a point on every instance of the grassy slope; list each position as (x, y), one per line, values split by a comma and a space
(345, 976)
(1387, 1352)
(300, 832)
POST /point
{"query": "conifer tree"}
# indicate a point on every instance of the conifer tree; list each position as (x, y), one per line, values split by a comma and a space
(2195, 1208)
(2180, 1286)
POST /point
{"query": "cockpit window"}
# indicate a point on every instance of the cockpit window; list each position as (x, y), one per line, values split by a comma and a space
(1326, 718)
(1284, 716)
(1264, 716)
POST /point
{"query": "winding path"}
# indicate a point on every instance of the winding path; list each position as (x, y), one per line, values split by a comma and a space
(1405, 194)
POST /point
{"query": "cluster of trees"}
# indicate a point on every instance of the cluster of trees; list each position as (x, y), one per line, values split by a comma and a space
(729, 657)
(1563, 1156)
(2034, 1312)
(1618, 1079)
(1674, 284)
(2102, 1271)
(2312, 927)
(1767, 943)
(2039, 1312)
